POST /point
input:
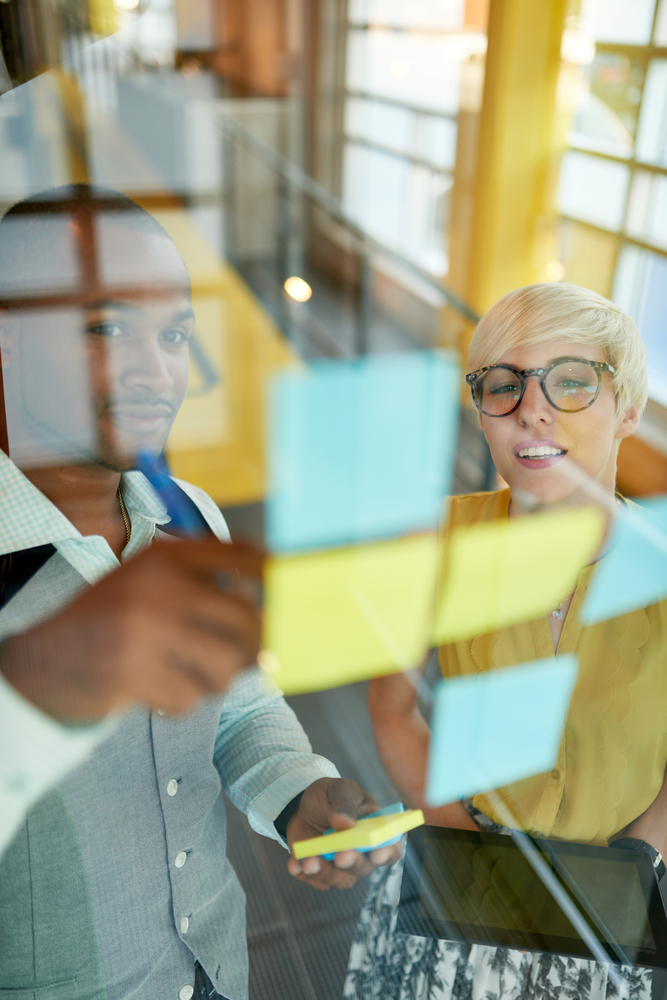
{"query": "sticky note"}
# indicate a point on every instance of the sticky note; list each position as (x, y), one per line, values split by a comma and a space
(496, 727)
(633, 572)
(369, 833)
(360, 449)
(502, 572)
(344, 615)
(397, 807)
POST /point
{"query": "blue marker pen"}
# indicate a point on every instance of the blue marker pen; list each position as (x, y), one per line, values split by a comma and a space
(185, 517)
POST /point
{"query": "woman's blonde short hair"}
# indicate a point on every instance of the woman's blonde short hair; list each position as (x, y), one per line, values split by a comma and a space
(536, 314)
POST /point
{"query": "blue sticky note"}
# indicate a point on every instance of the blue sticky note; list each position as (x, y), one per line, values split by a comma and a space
(633, 573)
(496, 727)
(397, 807)
(360, 449)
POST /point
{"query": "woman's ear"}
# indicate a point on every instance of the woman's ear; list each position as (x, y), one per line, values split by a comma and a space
(628, 422)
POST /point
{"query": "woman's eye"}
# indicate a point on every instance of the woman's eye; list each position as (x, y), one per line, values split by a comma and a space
(571, 383)
(174, 337)
(507, 387)
(107, 330)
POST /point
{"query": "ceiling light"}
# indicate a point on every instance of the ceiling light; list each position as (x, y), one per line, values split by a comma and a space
(298, 289)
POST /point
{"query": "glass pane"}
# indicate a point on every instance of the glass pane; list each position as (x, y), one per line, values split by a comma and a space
(628, 22)
(647, 208)
(607, 107)
(437, 141)
(159, 319)
(640, 288)
(445, 15)
(660, 32)
(412, 68)
(381, 123)
(404, 205)
(428, 220)
(375, 191)
(652, 132)
(593, 190)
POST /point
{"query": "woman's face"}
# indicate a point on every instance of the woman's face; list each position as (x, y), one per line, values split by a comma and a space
(587, 441)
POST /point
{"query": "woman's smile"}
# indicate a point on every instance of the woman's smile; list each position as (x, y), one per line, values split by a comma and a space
(538, 453)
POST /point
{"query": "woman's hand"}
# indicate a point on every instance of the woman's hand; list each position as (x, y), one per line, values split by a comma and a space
(651, 826)
(402, 738)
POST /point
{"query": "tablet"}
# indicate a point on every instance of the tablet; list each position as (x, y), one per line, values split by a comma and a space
(480, 888)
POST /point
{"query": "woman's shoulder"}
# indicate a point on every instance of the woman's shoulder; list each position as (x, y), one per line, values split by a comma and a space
(469, 508)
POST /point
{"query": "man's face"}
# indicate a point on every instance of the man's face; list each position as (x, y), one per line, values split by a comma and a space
(103, 377)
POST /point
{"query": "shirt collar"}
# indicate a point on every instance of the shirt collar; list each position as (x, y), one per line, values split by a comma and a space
(30, 519)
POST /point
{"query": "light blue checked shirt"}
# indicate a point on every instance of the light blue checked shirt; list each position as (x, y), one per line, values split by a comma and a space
(261, 750)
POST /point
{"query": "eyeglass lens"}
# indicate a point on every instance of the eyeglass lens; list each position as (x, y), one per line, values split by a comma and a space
(571, 385)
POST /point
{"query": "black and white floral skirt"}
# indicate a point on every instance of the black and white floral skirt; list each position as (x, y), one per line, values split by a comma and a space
(386, 965)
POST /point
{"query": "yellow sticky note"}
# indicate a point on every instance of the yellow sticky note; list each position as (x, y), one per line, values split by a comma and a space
(365, 833)
(337, 616)
(503, 572)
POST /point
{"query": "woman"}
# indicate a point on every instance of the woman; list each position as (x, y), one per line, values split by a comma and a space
(559, 379)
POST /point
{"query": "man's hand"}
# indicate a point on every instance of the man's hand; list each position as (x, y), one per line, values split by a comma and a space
(156, 632)
(337, 803)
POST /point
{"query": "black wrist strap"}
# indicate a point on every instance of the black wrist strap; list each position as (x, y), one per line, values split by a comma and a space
(285, 816)
(633, 844)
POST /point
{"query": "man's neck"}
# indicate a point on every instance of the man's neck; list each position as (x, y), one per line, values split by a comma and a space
(88, 497)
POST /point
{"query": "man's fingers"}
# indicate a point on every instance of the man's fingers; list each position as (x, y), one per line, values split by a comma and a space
(327, 877)
(209, 661)
(386, 855)
(206, 558)
(311, 866)
(171, 691)
(353, 862)
(348, 801)
(228, 618)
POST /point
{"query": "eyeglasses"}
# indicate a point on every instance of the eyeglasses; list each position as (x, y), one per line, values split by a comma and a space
(569, 384)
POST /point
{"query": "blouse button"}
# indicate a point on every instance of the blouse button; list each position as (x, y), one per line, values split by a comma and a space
(554, 774)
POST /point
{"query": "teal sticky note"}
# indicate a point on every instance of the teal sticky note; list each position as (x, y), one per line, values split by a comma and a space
(633, 572)
(496, 727)
(396, 807)
(360, 449)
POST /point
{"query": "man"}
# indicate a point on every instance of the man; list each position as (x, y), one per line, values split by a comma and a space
(116, 884)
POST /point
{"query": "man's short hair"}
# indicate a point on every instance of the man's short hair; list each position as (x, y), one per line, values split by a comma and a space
(536, 314)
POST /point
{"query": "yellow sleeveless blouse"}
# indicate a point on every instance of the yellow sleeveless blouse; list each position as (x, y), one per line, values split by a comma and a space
(614, 749)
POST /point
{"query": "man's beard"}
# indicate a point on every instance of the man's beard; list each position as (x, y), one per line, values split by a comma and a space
(102, 449)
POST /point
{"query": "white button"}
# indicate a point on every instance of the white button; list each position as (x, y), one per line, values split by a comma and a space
(181, 858)
(186, 992)
(161, 711)
(185, 923)
(172, 787)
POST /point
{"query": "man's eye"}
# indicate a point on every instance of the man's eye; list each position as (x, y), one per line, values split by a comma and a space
(174, 336)
(107, 330)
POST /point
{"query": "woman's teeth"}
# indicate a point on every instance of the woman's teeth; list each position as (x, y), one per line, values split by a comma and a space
(542, 451)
